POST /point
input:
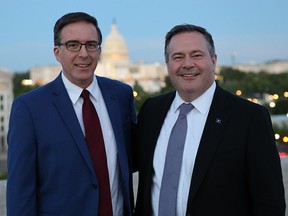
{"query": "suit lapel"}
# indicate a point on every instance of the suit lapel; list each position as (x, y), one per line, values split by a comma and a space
(158, 116)
(155, 110)
(212, 133)
(64, 106)
(112, 107)
(114, 113)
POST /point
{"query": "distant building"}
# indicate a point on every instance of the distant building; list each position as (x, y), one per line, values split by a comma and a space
(115, 64)
(6, 98)
(45, 74)
(280, 120)
(272, 67)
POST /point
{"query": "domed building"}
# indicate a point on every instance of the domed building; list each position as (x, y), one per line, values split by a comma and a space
(114, 49)
(115, 63)
(114, 60)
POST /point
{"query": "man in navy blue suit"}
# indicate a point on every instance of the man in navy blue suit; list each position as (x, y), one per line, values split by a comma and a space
(50, 170)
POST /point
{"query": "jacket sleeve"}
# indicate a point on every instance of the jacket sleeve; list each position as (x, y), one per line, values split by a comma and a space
(22, 179)
(264, 172)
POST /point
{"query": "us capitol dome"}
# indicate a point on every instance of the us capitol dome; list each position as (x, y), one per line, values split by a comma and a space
(115, 63)
(114, 49)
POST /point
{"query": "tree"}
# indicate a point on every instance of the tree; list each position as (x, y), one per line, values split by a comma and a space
(168, 86)
(140, 96)
(17, 83)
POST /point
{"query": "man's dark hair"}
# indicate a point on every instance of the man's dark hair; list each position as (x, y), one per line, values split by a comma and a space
(189, 28)
(73, 18)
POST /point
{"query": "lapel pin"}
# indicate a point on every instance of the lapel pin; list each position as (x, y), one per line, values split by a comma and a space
(218, 121)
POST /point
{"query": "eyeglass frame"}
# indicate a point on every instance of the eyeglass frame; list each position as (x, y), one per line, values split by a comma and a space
(81, 44)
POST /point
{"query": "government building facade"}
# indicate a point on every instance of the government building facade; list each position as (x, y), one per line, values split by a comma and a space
(6, 98)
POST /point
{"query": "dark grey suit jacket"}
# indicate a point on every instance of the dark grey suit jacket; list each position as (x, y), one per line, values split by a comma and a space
(237, 169)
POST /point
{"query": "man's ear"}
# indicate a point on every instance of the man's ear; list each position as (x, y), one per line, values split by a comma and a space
(56, 53)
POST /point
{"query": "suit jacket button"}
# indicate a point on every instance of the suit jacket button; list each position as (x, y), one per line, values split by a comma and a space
(94, 186)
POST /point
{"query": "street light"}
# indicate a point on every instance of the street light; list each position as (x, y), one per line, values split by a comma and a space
(27, 82)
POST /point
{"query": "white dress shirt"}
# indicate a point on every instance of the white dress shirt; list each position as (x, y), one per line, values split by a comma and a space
(196, 121)
(96, 97)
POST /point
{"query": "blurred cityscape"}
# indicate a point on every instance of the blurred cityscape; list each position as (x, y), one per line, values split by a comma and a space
(263, 83)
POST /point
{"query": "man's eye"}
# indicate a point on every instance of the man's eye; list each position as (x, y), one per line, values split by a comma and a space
(92, 45)
(177, 57)
(198, 55)
(72, 45)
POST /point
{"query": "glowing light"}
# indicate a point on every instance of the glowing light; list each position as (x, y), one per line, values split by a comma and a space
(255, 100)
(286, 94)
(282, 154)
(277, 136)
(275, 96)
(270, 97)
(135, 94)
(27, 82)
(272, 104)
(285, 139)
(238, 92)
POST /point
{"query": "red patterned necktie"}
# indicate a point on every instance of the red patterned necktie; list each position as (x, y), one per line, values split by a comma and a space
(95, 142)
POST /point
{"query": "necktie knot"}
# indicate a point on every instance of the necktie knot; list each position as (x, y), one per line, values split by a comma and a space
(85, 94)
(185, 108)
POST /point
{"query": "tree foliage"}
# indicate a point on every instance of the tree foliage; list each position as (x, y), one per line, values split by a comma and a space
(17, 84)
(253, 84)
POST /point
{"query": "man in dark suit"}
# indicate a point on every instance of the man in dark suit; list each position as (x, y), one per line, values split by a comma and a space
(229, 165)
(51, 170)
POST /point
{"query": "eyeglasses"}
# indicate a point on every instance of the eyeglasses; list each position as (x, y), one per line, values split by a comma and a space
(76, 46)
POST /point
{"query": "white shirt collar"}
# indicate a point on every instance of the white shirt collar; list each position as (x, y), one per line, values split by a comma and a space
(75, 91)
(202, 103)
(93, 88)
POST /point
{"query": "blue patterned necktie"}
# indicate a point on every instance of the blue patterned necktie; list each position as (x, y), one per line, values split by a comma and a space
(173, 161)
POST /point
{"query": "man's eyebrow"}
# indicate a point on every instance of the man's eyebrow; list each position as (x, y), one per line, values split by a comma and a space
(192, 52)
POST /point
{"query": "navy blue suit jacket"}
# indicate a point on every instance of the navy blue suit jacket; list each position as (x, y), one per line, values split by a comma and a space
(50, 171)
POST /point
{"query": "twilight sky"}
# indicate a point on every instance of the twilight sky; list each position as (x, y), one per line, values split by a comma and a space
(254, 31)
